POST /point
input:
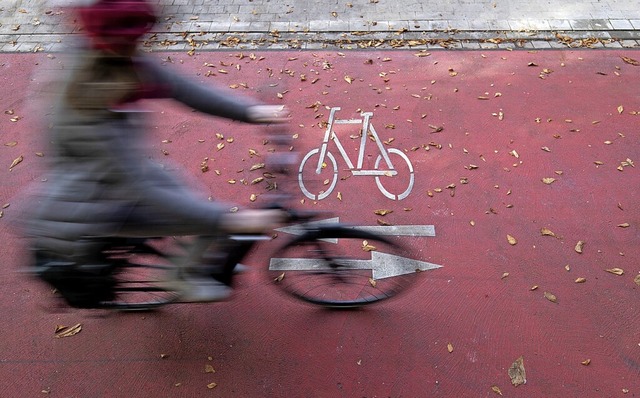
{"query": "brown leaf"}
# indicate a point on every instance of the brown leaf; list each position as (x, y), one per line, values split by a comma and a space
(367, 247)
(630, 61)
(209, 369)
(551, 297)
(67, 331)
(547, 232)
(16, 162)
(517, 373)
(383, 212)
(615, 271)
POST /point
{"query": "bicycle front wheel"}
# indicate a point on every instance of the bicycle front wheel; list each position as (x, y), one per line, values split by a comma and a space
(341, 267)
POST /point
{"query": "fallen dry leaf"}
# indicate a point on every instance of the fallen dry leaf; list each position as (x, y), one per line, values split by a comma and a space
(383, 212)
(586, 362)
(209, 369)
(624, 225)
(517, 373)
(630, 61)
(548, 180)
(16, 162)
(581, 280)
(450, 347)
(67, 331)
(615, 271)
(367, 247)
(512, 241)
(551, 297)
(579, 246)
(211, 385)
(496, 389)
(637, 280)
(547, 232)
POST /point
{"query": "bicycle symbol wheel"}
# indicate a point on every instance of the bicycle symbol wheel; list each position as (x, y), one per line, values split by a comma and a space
(314, 185)
(404, 190)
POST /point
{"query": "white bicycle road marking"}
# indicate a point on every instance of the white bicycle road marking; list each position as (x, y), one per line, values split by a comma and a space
(327, 160)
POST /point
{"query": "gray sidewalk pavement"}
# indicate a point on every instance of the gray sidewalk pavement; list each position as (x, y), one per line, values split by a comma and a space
(200, 25)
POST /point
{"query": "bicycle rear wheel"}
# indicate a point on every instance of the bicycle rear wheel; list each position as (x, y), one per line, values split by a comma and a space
(341, 267)
(142, 272)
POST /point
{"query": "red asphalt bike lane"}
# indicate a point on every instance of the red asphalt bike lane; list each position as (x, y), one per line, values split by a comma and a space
(517, 157)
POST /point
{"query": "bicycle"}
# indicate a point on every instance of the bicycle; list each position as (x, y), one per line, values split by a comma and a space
(330, 265)
(379, 170)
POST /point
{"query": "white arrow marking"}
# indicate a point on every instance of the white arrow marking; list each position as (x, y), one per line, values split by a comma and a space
(392, 230)
(383, 265)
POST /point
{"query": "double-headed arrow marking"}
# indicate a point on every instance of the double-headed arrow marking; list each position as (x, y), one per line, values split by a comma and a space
(383, 265)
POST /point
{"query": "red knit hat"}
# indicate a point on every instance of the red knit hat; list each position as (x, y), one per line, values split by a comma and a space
(113, 24)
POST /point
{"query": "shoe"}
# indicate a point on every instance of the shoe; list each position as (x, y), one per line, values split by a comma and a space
(199, 290)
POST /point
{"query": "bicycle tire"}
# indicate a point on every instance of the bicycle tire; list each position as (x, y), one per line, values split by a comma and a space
(317, 270)
(141, 276)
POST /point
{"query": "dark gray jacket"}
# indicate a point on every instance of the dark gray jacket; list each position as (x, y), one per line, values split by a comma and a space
(101, 183)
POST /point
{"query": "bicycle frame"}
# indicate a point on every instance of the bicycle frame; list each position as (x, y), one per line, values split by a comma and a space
(366, 127)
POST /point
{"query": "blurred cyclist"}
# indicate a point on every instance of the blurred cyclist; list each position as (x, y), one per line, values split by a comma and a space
(101, 182)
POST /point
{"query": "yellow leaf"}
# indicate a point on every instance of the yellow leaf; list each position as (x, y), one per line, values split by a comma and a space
(512, 241)
(615, 271)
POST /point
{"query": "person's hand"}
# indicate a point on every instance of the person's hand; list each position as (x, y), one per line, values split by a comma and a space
(252, 221)
(268, 114)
